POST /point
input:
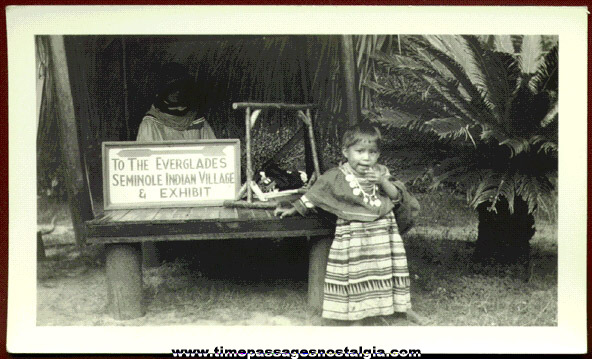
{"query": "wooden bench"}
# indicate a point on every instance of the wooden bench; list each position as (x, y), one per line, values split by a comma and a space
(123, 231)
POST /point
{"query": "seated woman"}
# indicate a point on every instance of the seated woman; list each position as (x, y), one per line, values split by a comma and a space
(174, 114)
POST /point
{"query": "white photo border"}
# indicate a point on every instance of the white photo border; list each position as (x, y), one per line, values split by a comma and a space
(569, 23)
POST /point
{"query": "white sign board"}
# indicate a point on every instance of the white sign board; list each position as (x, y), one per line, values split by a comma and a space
(170, 174)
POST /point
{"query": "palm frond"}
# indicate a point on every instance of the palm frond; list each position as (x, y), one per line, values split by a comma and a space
(488, 41)
(530, 53)
(516, 145)
(485, 189)
(491, 188)
(546, 76)
(499, 80)
(456, 104)
(457, 48)
(491, 133)
(533, 190)
(395, 118)
(545, 143)
(549, 41)
(476, 56)
(548, 147)
(451, 52)
(506, 189)
(455, 174)
(476, 111)
(503, 43)
(420, 106)
(399, 64)
(551, 116)
(449, 127)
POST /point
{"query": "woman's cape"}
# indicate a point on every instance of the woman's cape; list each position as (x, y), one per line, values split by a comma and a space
(179, 123)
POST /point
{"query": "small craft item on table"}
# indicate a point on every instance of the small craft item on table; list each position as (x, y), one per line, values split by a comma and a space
(251, 187)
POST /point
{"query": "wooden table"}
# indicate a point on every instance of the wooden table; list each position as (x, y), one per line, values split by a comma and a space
(123, 231)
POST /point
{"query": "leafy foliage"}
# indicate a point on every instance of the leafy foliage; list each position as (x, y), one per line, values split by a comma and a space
(498, 93)
(50, 171)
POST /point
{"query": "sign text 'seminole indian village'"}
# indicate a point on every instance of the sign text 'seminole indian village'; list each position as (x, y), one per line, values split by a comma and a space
(167, 173)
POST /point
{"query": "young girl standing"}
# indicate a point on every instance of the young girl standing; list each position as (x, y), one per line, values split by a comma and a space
(367, 273)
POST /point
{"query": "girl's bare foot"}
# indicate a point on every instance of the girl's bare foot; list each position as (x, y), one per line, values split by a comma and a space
(416, 318)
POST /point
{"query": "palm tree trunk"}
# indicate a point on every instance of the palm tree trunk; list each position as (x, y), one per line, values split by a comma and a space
(503, 237)
(348, 69)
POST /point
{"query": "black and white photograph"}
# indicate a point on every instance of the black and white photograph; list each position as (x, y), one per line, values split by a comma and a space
(296, 184)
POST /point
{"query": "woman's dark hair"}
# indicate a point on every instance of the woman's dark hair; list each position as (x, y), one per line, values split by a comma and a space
(363, 131)
(175, 87)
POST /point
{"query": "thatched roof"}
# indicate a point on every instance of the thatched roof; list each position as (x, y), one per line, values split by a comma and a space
(113, 79)
(117, 74)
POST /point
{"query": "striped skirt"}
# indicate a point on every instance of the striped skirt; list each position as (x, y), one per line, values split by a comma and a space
(367, 271)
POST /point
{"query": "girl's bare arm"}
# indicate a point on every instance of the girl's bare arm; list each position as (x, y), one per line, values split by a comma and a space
(383, 180)
(390, 189)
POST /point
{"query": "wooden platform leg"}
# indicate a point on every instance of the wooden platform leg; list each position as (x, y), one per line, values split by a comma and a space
(124, 280)
(317, 266)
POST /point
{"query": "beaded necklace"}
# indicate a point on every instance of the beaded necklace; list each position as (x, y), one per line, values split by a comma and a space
(358, 190)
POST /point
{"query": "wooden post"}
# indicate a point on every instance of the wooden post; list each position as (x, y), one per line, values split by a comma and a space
(317, 267)
(78, 194)
(308, 161)
(313, 145)
(276, 105)
(248, 151)
(124, 281)
(310, 144)
(348, 66)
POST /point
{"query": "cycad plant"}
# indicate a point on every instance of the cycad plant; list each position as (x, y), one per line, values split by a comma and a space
(497, 97)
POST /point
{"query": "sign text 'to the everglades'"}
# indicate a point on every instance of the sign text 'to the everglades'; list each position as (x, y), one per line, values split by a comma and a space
(172, 174)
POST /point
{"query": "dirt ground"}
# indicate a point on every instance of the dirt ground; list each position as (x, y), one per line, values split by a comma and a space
(79, 298)
(264, 282)
(72, 290)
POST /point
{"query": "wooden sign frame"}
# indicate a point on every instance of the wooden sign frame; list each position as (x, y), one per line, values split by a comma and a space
(163, 147)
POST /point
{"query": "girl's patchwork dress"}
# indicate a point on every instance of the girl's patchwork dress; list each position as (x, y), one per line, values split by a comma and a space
(367, 271)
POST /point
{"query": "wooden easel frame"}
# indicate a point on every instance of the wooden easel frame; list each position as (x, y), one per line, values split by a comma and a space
(303, 112)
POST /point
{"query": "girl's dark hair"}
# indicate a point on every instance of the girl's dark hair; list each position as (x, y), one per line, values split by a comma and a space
(361, 132)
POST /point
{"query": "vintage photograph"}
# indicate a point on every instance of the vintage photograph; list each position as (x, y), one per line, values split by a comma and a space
(231, 178)
(392, 180)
